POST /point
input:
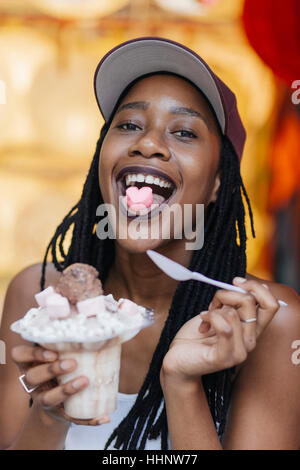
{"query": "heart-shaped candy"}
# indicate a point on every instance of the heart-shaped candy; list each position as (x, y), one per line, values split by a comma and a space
(138, 196)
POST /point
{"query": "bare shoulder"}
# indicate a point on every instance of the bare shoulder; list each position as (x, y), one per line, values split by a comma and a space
(275, 346)
(31, 275)
(265, 408)
(24, 285)
(286, 317)
(278, 289)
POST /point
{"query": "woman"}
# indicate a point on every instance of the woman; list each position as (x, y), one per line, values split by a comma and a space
(169, 116)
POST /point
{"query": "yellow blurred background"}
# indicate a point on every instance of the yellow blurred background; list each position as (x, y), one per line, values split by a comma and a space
(50, 122)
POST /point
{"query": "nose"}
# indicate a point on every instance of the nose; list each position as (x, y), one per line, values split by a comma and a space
(150, 145)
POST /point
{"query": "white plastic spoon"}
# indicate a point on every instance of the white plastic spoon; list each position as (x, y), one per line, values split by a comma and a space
(180, 273)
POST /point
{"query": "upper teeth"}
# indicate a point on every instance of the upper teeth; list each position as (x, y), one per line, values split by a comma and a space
(140, 178)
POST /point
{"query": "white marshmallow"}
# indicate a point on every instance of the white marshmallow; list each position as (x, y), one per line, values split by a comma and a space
(42, 296)
(127, 306)
(57, 306)
(93, 306)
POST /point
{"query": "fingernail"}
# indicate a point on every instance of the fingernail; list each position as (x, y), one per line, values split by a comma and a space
(265, 285)
(239, 280)
(67, 364)
(103, 420)
(50, 355)
(204, 327)
(79, 383)
(205, 312)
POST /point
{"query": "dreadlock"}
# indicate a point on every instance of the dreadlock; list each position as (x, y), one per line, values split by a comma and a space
(222, 257)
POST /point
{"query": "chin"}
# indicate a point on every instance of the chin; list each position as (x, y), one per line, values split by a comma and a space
(140, 246)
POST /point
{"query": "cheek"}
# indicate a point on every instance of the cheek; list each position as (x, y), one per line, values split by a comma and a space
(199, 169)
(198, 184)
(104, 170)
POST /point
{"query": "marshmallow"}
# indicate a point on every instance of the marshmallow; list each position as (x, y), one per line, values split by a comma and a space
(57, 306)
(92, 306)
(127, 306)
(42, 296)
(141, 197)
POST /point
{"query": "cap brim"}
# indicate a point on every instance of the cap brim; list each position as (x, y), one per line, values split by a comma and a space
(132, 59)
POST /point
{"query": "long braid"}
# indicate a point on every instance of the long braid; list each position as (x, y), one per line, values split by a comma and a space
(221, 257)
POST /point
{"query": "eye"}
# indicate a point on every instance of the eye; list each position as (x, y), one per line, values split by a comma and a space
(185, 134)
(128, 126)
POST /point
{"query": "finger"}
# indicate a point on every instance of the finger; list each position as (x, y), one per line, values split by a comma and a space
(244, 303)
(246, 307)
(59, 394)
(45, 372)
(205, 327)
(223, 329)
(26, 354)
(239, 343)
(268, 305)
(104, 419)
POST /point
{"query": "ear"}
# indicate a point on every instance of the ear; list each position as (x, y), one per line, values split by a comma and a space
(215, 189)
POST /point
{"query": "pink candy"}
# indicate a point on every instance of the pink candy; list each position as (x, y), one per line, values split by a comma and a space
(138, 199)
(42, 296)
(58, 306)
(92, 306)
(127, 306)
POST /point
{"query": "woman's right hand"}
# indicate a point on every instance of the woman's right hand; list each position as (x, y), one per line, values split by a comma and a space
(42, 368)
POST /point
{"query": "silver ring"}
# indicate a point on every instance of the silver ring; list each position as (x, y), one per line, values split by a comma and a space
(249, 320)
(24, 385)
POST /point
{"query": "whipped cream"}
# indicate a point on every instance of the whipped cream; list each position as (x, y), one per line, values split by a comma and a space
(115, 319)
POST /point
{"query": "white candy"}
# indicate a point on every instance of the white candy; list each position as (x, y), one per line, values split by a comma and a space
(90, 307)
(127, 306)
(42, 296)
(57, 306)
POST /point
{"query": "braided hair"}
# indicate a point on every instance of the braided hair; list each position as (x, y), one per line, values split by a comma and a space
(223, 256)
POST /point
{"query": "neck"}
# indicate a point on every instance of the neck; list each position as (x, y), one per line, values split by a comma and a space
(136, 277)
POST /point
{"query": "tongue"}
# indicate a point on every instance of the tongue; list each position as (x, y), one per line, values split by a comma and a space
(138, 199)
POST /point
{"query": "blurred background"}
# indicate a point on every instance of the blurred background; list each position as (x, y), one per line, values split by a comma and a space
(49, 119)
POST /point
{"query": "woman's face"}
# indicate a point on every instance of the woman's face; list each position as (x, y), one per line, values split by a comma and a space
(164, 136)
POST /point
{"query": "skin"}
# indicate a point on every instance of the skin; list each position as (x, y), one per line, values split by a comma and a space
(264, 410)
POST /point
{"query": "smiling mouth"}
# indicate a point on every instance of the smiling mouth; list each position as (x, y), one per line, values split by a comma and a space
(163, 187)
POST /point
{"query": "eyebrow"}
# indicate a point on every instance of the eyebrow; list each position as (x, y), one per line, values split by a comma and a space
(189, 112)
(143, 105)
(134, 105)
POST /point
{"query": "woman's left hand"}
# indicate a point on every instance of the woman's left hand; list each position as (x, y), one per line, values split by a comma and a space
(221, 337)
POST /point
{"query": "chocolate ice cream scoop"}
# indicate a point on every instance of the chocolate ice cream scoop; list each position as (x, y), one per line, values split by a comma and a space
(78, 282)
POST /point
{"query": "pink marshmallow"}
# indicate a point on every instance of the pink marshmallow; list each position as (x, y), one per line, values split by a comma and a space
(58, 306)
(138, 207)
(143, 196)
(127, 306)
(42, 296)
(92, 306)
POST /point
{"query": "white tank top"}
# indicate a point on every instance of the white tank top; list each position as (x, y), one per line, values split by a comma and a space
(95, 437)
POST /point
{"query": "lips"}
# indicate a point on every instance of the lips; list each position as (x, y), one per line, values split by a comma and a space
(162, 185)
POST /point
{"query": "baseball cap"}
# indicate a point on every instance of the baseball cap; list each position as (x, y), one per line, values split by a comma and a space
(132, 59)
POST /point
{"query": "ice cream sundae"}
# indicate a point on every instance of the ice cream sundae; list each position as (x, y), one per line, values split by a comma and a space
(76, 319)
